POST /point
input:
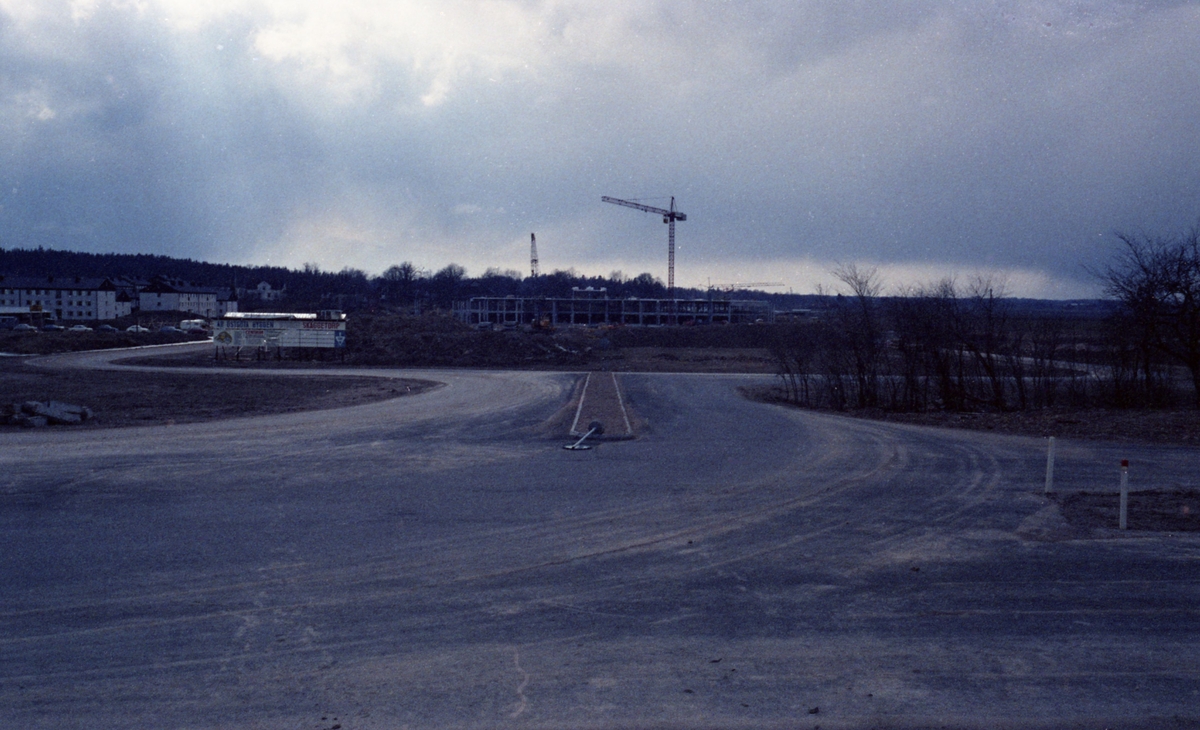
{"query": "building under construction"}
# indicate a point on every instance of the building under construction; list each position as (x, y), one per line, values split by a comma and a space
(592, 307)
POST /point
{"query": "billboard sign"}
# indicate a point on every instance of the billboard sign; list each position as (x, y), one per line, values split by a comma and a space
(295, 330)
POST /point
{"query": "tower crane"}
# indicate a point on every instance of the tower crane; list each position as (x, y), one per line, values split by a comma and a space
(533, 262)
(669, 217)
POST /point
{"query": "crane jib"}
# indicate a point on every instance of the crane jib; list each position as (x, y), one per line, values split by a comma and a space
(667, 215)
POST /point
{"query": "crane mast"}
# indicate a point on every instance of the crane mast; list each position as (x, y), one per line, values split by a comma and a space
(669, 217)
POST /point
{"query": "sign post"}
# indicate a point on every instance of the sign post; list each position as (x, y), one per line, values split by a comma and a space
(1050, 467)
(1124, 521)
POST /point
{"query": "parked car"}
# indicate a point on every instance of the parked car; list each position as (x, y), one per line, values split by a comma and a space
(53, 328)
(22, 327)
(169, 330)
(107, 328)
(188, 325)
(137, 328)
(80, 328)
(197, 331)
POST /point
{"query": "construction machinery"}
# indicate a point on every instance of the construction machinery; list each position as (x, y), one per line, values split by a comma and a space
(669, 216)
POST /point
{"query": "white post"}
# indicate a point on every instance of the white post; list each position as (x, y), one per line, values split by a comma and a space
(1050, 467)
(1124, 494)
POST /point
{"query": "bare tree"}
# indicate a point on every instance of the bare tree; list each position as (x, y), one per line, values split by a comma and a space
(1045, 337)
(1158, 281)
(861, 330)
(923, 319)
(399, 282)
(445, 284)
(795, 349)
(982, 328)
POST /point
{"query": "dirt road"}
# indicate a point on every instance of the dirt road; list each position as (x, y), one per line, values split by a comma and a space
(441, 561)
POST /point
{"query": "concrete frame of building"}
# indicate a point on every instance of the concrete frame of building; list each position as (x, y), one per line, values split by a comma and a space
(584, 312)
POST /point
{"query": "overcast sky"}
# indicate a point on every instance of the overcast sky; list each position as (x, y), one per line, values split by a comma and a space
(1002, 138)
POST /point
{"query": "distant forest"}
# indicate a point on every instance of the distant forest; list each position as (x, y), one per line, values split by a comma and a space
(406, 286)
(401, 286)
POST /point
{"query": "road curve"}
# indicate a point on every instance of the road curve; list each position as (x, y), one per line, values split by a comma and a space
(441, 561)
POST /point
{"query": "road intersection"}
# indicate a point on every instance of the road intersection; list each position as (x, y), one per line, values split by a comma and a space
(441, 561)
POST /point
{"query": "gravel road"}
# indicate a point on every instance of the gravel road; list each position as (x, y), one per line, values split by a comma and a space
(440, 561)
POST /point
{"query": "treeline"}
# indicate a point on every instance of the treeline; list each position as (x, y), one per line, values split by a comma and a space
(49, 262)
(950, 348)
(403, 286)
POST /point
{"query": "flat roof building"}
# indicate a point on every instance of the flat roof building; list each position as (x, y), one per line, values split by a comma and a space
(592, 308)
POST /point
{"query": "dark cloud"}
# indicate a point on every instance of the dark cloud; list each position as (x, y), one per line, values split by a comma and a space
(918, 136)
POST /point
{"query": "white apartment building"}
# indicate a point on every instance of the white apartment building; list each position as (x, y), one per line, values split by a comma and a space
(163, 295)
(267, 294)
(70, 298)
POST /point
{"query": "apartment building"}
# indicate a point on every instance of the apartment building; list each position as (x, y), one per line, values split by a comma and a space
(70, 298)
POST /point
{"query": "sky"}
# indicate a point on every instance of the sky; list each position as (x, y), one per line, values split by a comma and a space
(1001, 139)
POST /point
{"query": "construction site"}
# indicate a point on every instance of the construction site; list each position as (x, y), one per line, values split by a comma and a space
(592, 307)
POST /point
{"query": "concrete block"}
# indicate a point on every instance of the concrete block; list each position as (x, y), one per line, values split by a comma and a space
(60, 413)
(55, 412)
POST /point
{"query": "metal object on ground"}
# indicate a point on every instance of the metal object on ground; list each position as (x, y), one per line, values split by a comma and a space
(595, 427)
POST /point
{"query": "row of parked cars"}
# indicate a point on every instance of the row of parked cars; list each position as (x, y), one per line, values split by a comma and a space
(102, 328)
